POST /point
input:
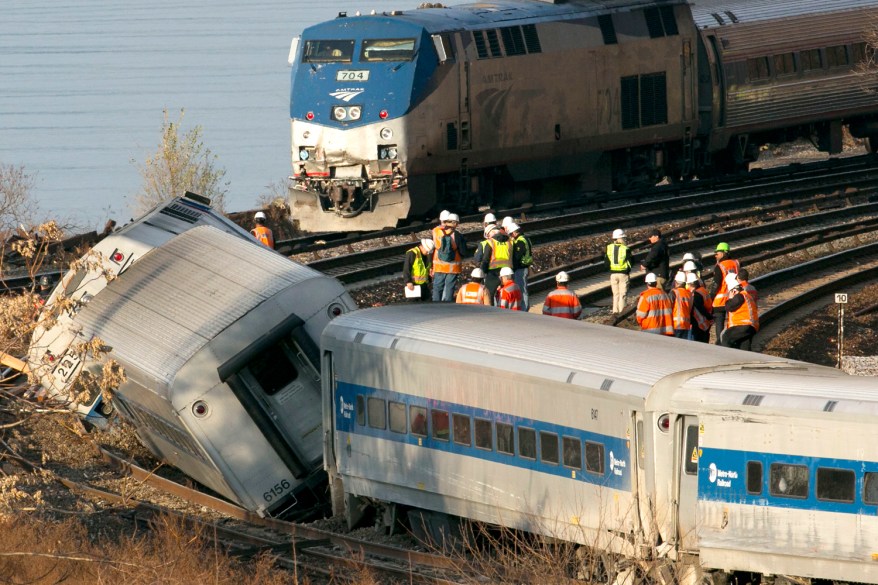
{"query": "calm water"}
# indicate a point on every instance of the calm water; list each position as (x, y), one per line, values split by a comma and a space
(83, 85)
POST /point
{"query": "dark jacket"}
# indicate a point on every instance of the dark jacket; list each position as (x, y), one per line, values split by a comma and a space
(410, 260)
(521, 249)
(488, 251)
(658, 259)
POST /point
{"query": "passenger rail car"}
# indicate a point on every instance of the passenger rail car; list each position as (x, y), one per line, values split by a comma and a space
(218, 339)
(714, 460)
(399, 114)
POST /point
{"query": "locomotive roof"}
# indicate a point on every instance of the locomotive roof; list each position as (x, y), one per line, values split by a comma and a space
(717, 13)
(684, 374)
(174, 300)
(483, 14)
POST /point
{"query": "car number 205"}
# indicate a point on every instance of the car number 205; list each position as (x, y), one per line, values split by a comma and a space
(277, 490)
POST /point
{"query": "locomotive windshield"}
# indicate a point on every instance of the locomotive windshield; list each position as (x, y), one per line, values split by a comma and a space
(328, 51)
(388, 50)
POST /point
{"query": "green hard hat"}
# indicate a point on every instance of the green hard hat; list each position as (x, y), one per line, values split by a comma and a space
(722, 247)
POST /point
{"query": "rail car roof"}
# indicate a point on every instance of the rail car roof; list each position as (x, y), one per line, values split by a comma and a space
(181, 295)
(717, 13)
(483, 14)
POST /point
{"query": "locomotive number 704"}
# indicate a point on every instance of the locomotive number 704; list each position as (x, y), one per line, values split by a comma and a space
(352, 75)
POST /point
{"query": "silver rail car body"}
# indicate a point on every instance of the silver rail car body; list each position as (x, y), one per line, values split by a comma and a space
(624, 441)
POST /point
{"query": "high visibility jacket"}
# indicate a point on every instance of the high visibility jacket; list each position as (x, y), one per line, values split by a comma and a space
(618, 258)
(702, 321)
(443, 266)
(501, 254)
(746, 314)
(754, 294)
(682, 308)
(522, 252)
(264, 235)
(508, 297)
(473, 293)
(419, 268)
(654, 312)
(722, 293)
(564, 303)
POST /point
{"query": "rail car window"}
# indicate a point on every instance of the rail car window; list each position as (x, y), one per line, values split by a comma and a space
(690, 451)
(837, 56)
(505, 439)
(439, 419)
(870, 487)
(527, 443)
(594, 457)
(549, 448)
(418, 420)
(361, 411)
(571, 450)
(377, 413)
(388, 50)
(484, 437)
(784, 64)
(836, 485)
(336, 51)
(811, 60)
(397, 416)
(608, 30)
(661, 22)
(788, 481)
(644, 100)
(754, 477)
(758, 69)
(462, 434)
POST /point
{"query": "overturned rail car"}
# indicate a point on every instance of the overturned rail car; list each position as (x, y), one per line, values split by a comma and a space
(217, 336)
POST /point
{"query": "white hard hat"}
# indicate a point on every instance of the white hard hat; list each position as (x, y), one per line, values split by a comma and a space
(562, 277)
(506, 221)
(618, 234)
(428, 244)
(689, 266)
(477, 273)
(444, 215)
(453, 217)
(506, 271)
(680, 277)
(691, 278)
(688, 256)
(259, 215)
(491, 229)
(650, 278)
(512, 227)
(731, 280)
(490, 218)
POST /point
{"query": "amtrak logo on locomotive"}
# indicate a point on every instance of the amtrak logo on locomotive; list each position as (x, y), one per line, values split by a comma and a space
(347, 94)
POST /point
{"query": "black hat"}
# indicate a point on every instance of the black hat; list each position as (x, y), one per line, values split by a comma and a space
(655, 232)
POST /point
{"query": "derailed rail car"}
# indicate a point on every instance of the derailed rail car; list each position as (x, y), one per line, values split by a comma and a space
(398, 114)
(712, 460)
(217, 336)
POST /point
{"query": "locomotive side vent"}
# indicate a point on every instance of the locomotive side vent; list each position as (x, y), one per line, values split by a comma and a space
(359, 337)
(830, 406)
(753, 399)
(605, 385)
(608, 31)
(393, 344)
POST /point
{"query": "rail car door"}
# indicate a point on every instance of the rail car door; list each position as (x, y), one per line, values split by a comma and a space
(687, 481)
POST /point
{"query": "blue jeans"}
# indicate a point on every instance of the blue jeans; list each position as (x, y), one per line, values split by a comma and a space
(443, 287)
(520, 279)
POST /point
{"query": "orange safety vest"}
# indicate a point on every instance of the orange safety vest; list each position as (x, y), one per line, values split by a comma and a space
(509, 297)
(654, 312)
(442, 266)
(746, 314)
(264, 235)
(722, 293)
(703, 322)
(501, 254)
(682, 308)
(473, 293)
(564, 303)
(754, 294)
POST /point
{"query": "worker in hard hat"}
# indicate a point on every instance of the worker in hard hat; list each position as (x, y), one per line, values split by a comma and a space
(496, 255)
(474, 292)
(702, 308)
(522, 260)
(416, 270)
(449, 249)
(618, 262)
(562, 302)
(508, 295)
(654, 310)
(261, 231)
(742, 315)
(490, 219)
(681, 303)
(725, 264)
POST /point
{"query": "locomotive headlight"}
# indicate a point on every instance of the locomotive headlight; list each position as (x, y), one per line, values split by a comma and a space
(339, 113)
(392, 152)
(382, 154)
(354, 112)
(386, 133)
(303, 153)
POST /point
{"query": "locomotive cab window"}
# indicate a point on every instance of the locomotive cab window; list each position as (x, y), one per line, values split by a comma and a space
(377, 411)
(836, 485)
(388, 50)
(337, 51)
(788, 481)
